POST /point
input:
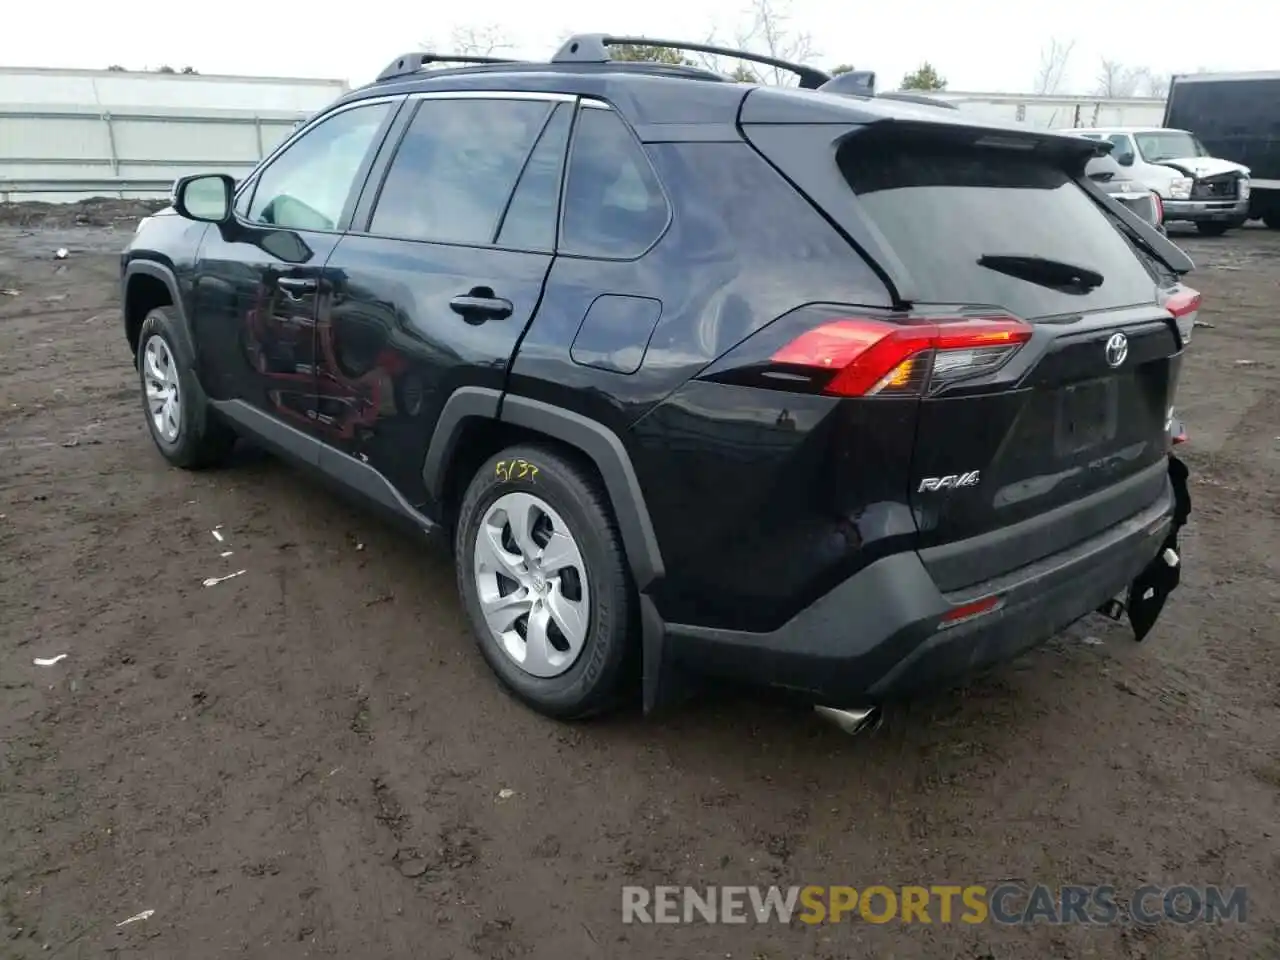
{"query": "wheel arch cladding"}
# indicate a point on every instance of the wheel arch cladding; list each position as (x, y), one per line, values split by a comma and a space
(595, 441)
(605, 449)
(149, 285)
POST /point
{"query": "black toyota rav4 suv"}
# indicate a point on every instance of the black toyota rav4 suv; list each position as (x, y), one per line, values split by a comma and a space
(832, 392)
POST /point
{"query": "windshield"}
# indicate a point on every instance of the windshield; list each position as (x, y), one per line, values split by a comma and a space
(1169, 145)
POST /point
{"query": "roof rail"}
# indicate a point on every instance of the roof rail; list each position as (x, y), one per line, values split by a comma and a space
(410, 63)
(594, 48)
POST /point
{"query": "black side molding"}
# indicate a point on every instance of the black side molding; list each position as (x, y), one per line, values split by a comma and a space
(610, 457)
(348, 473)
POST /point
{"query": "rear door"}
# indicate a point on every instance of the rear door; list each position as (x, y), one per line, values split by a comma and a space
(1071, 432)
(440, 274)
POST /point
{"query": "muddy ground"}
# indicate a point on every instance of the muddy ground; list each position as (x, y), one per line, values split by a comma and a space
(312, 760)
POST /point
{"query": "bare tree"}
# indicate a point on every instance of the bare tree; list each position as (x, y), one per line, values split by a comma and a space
(1151, 84)
(649, 53)
(1116, 80)
(1053, 65)
(770, 30)
(767, 31)
(486, 40)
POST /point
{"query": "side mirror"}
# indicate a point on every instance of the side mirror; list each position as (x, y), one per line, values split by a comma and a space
(1124, 159)
(205, 197)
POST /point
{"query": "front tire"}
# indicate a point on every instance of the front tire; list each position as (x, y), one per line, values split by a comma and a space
(544, 580)
(172, 401)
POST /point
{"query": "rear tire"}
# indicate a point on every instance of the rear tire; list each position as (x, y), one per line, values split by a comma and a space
(1272, 220)
(565, 673)
(174, 406)
(1212, 229)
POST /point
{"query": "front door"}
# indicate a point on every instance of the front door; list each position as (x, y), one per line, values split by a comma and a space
(257, 281)
(439, 276)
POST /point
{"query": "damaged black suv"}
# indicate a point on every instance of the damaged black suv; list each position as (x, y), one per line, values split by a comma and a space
(810, 387)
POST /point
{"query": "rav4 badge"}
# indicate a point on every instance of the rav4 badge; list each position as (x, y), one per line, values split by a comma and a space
(952, 481)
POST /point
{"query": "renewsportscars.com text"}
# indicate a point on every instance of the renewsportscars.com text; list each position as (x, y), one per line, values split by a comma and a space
(973, 904)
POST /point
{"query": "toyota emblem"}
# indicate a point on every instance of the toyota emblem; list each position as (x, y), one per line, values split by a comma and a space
(1117, 349)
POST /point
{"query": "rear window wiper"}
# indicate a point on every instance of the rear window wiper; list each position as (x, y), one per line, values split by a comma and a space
(1056, 274)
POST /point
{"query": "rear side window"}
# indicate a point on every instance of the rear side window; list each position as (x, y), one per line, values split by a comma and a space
(530, 220)
(455, 168)
(943, 208)
(613, 207)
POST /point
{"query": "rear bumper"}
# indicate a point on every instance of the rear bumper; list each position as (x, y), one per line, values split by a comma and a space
(1197, 210)
(879, 636)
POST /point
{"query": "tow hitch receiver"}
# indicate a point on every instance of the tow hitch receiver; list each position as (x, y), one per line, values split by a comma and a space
(1149, 591)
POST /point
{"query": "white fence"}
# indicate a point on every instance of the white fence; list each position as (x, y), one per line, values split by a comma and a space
(67, 154)
(68, 134)
(65, 135)
(1060, 112)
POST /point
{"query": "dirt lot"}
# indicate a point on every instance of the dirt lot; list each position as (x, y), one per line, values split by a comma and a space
(312, 760)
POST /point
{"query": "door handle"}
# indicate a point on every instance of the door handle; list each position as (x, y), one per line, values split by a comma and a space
(479, 305)
(294, 287)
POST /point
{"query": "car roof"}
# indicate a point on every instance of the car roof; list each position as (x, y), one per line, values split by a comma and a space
(652, 93)
(647, 93)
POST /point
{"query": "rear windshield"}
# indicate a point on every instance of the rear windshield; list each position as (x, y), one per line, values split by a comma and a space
(942, 209)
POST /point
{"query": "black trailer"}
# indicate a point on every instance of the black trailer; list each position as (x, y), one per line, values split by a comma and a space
(1237, 117)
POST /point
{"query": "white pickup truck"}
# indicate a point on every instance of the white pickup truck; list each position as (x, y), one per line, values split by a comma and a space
(1210, 192)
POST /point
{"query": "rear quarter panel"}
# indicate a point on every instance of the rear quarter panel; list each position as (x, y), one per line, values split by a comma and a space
(742, 248)
(726, 471)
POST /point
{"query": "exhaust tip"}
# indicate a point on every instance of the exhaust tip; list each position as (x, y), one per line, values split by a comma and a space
(851, 721)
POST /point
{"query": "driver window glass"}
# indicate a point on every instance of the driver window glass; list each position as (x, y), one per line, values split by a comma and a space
(1123, 145)
(306, 187)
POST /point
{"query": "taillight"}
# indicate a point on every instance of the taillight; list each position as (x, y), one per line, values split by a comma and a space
(876, 358)
(1185, 301)
(1183, 305)
(1159, 205)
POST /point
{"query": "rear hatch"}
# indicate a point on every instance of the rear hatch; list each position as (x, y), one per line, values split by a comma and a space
(1062, 431)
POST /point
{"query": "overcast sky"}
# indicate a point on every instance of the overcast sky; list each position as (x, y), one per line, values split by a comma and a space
(977, 45)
